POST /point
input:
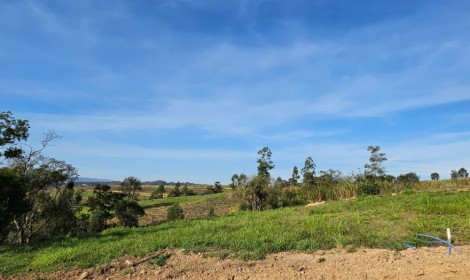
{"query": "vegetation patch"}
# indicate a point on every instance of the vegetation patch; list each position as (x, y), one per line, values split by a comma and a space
(160, 260)
(357, 223)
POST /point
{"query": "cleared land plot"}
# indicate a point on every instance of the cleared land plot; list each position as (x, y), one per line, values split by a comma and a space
(376, 222)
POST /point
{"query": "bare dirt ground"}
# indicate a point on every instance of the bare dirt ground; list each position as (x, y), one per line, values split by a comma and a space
(423, 263)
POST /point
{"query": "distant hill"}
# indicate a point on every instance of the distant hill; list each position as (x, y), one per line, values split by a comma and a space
(156, 182)
(93, 180)
(162, 182)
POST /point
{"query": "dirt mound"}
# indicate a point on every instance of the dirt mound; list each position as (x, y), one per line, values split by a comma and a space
(424, 263)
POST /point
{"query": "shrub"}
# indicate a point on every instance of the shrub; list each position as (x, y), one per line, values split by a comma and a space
(161, 189)
(175, 212)
(187, 192)
(155, 194)
(216, 188)
(369, 188)
(291, 198)
(211, 212)
(128, 212)
(174, 193)
(97, 221)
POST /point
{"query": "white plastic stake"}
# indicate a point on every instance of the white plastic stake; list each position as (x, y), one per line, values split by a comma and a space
(449, 238)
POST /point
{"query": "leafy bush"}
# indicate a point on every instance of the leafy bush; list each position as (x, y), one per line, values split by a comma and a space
(155, 194)
(187, 192)
(97, 221)
(161, 189)
(369, 188)
(128, 212)
(158, 193)
(175, 212)
(291, 198)
(104, 205)
(174, 193)
(216, 188)
(408, 180)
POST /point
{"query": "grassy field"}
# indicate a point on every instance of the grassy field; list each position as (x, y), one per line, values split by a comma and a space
(377, 222)
(195, 207)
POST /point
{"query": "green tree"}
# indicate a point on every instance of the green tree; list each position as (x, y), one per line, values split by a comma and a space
(128, 212)
(328, 183)
(12, 199)
(308, 182)
(239, 185)
(158, 193)
(105, 204)
(408, 180)
(186, 191)
(294, 180)
(462, 173)
(243, 179)
(101, 204)
(44, 181)
(265, 164)
(274, 193)
(454, 174)
(256, 193)
(435, 176)
(235, 181)
(12, 132)
(176, 191)
(216, 188)
(130, 186)
(61, 212)
(375, 177)
(257, 190)
(12, 192)
(374, 167)
(35, 185)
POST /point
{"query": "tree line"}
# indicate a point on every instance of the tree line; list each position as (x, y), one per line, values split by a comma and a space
(261, 191)
(38, 197)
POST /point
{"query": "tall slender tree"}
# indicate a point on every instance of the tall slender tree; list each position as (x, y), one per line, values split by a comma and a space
(265, 164)
(256, 191)
(309, 172)
(374, 167)
(294, 180)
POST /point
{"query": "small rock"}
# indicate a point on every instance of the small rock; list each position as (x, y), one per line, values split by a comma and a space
(129, 263)
(84, 275)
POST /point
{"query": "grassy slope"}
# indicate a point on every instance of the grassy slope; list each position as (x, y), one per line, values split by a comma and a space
(384, 221)
(151, 203)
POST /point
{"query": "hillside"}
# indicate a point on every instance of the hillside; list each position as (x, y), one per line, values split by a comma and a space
(366, 222)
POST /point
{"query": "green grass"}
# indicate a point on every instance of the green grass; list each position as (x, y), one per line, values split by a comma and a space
(168, 201)
(377, 222)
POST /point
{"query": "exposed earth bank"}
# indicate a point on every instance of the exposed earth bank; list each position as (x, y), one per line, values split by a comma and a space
(423, 263)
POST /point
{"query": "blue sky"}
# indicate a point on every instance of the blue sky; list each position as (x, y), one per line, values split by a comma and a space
(191, 90)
